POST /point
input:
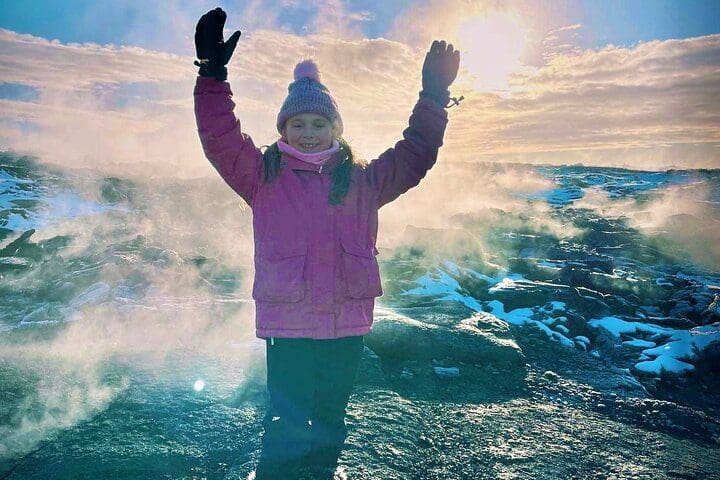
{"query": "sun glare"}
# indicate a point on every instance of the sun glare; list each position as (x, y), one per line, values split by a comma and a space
(491, 46)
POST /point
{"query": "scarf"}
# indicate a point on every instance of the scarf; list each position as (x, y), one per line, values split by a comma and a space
(317, 158)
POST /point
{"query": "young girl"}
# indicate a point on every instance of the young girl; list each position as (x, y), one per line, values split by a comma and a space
(315, 220)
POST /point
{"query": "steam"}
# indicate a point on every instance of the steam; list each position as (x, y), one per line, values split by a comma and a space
(684, 217)
(453, 193)
(158, 290)
(66, 394)
(170, 269)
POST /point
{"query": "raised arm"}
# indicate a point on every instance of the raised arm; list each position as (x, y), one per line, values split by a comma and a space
(400, 168)
(231, 152)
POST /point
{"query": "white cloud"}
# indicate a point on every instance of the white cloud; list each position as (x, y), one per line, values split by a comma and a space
(77, 82)
(562, 40)
(652, 105)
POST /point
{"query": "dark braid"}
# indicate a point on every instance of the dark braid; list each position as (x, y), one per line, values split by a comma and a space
(341, 175)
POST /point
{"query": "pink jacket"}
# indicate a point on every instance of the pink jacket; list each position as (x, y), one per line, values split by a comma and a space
(316, 275)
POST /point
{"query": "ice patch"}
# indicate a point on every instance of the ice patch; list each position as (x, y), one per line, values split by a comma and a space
(458, 270)
(439, 283)
(521, 317)
(555, 306)
(639, 343)
(18, 223)
(552, 264)
(509, 282)
(681, 347)
(582, 342)
(664, 363)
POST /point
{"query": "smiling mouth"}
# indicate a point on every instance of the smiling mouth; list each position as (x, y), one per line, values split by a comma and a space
(308, 146)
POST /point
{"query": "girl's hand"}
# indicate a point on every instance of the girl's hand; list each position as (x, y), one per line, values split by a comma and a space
(439, 71)
(213, 53)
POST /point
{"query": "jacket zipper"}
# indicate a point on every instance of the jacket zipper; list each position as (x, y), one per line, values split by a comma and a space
(272, 341)
(320, 170)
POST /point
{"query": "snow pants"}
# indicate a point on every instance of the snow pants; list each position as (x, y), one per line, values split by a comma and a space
(309, 382)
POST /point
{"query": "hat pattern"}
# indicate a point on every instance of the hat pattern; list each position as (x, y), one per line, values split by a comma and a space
(308, 95)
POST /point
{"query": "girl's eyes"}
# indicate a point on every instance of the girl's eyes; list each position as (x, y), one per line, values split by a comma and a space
(317, 125)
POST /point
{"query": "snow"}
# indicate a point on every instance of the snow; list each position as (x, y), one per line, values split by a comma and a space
(439, 283)
(521, 316)
(681, 345)
(557, 306)
(636, 342)
(663, 348)
(617, 326)
(442, 284)
(508, 283)
(18, 223)
(582, 342)
(664, 363)
(553, 264)
(458, 270)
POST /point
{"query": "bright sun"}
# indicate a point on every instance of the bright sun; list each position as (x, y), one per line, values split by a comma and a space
(490, 47)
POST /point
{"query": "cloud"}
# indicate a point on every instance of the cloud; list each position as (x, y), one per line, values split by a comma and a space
(562, 40)
(81, 123)
(325, 17)
(648, 106)
(652, 105)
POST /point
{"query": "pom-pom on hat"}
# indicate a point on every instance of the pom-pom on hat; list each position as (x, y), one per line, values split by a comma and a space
(307, 95)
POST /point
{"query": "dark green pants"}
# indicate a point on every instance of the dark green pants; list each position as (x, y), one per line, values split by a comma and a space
(309, 382)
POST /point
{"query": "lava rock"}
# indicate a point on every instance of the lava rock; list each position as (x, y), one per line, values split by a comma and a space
(482, 338)
(712, 313)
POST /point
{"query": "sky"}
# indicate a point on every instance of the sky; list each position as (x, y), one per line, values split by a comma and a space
(108, 84)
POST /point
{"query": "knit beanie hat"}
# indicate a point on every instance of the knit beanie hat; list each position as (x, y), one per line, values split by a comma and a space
(307, 95)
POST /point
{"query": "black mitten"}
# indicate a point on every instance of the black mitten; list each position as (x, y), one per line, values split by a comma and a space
(212, 52)
(439, 71)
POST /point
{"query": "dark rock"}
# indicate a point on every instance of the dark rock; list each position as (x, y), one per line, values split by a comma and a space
(482, 338)
(22, 247)
(696, 305)
(576, 276)
(709, 358)
(672, 322)
(712, 313)
(425, 442)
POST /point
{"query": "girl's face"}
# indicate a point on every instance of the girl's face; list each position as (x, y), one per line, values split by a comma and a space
(308, 132)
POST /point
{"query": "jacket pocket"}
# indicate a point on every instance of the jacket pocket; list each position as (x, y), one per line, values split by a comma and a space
(280, 276)
(360, 270)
